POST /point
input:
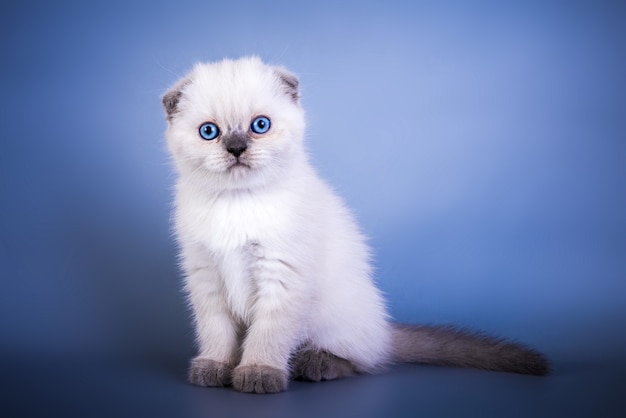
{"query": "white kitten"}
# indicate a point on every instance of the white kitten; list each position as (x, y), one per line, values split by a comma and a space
(276, 270)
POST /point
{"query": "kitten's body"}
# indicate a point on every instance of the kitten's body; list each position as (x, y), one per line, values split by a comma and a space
(277, 272)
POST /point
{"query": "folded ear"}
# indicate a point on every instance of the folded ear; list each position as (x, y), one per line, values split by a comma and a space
(172, 98)
(289, 82)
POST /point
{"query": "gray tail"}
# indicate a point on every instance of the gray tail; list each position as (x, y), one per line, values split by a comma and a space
(450, 346)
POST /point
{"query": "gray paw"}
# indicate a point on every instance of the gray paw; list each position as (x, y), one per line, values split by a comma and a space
(259, 379)
(205, 372)
(316, 365)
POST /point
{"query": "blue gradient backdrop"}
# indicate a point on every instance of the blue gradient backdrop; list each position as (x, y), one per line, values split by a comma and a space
(482, 146)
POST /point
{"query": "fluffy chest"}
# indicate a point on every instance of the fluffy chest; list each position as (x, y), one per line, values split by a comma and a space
(239, 233)
(231, 221)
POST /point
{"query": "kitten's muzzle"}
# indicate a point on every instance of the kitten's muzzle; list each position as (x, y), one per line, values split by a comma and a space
(236, 143)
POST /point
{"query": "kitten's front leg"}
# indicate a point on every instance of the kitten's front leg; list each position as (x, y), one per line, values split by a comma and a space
(274, 331)
(216, 332)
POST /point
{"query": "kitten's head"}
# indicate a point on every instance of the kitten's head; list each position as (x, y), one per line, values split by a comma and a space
(235, 124)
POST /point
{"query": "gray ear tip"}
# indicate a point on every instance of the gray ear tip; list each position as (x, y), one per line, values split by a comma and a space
(290, 83)
(170, 102)
(166, 101)
(172, 98)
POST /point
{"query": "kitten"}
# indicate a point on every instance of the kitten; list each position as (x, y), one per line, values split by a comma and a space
(277, 273)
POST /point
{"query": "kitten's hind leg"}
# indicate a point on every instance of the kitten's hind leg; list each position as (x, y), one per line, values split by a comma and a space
(314, 365)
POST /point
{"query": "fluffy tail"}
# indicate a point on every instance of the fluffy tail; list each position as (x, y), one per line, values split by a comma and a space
(449, 346)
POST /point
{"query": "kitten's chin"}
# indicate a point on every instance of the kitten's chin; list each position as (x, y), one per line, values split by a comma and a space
(238, 166)
(239, 172)
(240, 175)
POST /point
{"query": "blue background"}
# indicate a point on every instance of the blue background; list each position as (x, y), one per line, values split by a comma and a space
(482, 146)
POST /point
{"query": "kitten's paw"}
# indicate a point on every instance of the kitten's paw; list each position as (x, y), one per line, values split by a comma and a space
(316, 365)
(259, 379)
(205, 372)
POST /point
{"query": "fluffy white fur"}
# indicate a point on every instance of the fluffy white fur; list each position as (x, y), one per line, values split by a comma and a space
(268, 250)
(273, 260)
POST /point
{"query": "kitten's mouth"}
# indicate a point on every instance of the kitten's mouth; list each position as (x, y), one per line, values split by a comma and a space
(238, 164)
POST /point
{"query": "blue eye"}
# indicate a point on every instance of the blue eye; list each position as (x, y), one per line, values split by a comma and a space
(209, 131)
(260, 125)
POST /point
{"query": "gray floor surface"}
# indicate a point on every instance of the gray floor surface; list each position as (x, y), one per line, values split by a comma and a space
(82, 386)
